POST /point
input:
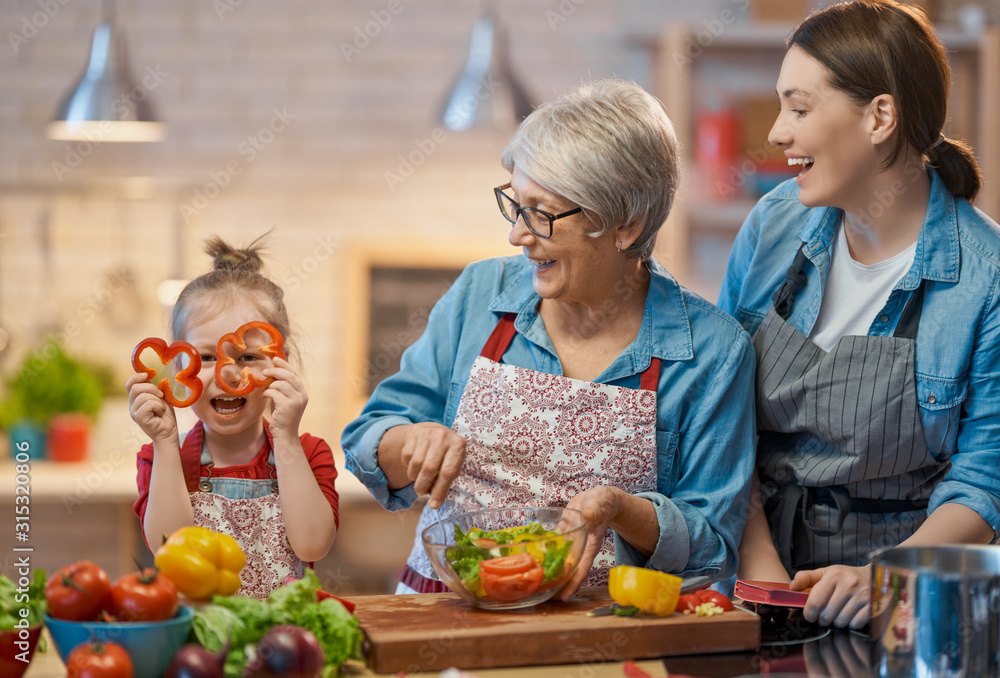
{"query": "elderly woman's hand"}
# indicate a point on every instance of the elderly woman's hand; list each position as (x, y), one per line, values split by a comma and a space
(599, 506)
(427, 454)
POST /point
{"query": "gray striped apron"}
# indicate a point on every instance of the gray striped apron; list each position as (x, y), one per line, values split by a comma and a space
(843, 464)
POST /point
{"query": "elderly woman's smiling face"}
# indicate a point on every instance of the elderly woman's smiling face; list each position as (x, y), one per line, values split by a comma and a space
(570, 266)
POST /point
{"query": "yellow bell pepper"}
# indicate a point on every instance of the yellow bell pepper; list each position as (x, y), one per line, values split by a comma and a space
(202, 563)
(651, 591)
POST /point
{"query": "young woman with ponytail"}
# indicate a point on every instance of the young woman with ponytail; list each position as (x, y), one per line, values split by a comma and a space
(872, 288)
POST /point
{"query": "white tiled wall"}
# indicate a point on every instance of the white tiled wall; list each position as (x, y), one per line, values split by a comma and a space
(219, 73)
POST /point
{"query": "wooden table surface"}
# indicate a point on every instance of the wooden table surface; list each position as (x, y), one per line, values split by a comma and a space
(48, 665)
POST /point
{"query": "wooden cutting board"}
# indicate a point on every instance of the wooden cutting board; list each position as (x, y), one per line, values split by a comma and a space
(434, 631)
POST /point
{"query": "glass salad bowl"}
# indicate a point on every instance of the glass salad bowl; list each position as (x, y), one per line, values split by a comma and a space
(503, 559)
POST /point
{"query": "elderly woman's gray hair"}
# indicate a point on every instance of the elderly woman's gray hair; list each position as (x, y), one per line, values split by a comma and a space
(610, 148)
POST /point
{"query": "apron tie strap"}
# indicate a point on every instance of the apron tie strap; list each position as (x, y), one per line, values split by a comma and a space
(782, 509)
(910, 319)
(792, 512)
(795, 280)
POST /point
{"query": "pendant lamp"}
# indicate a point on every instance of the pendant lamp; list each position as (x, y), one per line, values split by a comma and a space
(486, 93)
(106, 104)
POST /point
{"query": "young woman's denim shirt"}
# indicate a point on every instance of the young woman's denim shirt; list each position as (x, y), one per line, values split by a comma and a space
(705, 416)
(958, 341)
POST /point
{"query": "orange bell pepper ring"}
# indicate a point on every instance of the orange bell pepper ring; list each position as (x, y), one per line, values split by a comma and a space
(187, 377)
(248, 380)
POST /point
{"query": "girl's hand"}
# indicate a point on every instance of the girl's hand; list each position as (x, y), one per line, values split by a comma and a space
(599, 506)
(149, 410)
(288, 398)
(840, 596)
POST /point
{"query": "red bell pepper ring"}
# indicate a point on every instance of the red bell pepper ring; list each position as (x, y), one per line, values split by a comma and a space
(248, 380)
(187, 377)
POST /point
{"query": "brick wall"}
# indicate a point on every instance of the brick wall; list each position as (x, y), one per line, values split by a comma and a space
(316, 120)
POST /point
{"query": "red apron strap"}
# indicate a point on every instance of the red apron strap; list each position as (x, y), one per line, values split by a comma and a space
(500, 339)
(650, 376)
(191, 456)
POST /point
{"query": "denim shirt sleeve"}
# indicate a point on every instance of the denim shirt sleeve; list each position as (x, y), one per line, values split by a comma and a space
(740, 257)
(974, 477)
(702, 499)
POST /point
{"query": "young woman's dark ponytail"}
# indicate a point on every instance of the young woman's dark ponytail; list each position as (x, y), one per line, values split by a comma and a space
(957, 166)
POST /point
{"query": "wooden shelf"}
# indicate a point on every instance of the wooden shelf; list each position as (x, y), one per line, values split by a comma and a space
(684, 50)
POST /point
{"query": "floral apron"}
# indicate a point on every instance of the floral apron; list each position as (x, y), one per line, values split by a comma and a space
(536, 439)
(250, 512)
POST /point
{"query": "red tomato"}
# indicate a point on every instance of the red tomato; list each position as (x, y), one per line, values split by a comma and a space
(143, 596)
(709, 596)
(484, 542)
(77, 592)
(515, 564)
(95, 659)
(688, 602)
(511, 587)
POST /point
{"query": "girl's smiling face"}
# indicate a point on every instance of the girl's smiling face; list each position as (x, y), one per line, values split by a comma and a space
(825, 134)
(220, 411)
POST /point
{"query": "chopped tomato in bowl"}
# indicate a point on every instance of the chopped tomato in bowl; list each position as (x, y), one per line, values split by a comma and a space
(507, 558)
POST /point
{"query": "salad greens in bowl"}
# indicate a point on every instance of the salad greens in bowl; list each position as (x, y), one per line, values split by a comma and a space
(503, 559)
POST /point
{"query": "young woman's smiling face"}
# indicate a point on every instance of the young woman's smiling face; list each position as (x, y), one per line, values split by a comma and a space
(824, 134)
(219, 410)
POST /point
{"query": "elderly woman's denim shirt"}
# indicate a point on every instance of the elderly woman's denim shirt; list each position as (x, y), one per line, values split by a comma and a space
(958, 340)
(705, 416)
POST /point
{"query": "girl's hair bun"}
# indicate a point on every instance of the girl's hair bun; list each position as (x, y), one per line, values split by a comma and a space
(228, 258)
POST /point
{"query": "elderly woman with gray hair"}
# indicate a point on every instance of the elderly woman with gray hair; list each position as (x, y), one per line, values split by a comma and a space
(578, 373)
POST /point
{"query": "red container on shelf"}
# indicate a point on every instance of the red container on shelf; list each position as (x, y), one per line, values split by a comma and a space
(718, 150)
(69, 437)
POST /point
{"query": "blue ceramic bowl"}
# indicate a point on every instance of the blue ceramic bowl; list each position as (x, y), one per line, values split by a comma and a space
(151, 645)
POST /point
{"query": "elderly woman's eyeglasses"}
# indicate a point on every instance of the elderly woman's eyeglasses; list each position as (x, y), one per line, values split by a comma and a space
(537, 221)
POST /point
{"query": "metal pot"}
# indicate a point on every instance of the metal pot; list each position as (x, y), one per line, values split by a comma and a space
(936, 611)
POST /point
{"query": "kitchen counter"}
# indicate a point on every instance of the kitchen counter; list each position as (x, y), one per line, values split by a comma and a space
(48, 665)
(840, 654)
(52, 667)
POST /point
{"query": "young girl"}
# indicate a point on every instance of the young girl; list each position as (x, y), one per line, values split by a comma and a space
(237, 472)
(872, 288)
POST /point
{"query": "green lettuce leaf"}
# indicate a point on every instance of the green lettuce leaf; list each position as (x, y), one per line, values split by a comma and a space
(245, 621)
(12, 601)
(555, 560)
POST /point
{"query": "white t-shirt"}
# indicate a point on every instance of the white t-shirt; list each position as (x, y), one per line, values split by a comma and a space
(855, 293)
